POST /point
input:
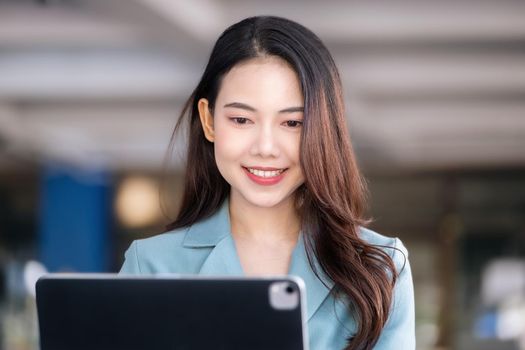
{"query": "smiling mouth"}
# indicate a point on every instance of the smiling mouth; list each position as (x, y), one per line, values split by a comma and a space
(265, 173)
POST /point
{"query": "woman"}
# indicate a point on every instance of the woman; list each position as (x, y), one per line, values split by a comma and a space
(272, 187)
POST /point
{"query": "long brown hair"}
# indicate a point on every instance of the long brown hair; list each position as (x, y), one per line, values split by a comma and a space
(331, 201)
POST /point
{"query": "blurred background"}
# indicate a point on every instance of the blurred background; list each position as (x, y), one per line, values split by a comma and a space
(435, 92)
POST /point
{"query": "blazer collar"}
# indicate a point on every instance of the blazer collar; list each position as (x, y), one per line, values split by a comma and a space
(210, 231)
(214, 232)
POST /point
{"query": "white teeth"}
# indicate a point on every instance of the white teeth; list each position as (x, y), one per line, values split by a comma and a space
(261, 173)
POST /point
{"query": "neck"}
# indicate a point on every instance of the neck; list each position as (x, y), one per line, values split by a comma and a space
(279, 223)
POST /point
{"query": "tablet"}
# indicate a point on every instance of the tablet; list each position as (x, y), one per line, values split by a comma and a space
(175, 312)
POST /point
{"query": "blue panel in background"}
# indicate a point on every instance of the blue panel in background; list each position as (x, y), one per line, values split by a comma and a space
(75, 209)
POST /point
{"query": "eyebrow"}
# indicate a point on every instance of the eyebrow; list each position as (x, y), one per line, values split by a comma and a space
(251, 109)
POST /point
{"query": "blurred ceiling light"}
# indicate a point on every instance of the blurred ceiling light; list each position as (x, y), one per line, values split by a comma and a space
(137, 203)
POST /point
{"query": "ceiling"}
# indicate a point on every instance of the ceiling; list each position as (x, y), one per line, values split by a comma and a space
(428, 85)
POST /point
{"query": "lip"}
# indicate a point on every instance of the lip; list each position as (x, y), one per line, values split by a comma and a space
(264, 181)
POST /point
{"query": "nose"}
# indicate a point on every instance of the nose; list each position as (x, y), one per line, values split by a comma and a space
(265, 144)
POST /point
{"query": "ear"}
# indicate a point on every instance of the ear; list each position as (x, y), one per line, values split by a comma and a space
(206, 119)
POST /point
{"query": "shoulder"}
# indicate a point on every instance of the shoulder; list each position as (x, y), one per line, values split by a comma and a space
(162, 253)
(400, 326)
(391, 245)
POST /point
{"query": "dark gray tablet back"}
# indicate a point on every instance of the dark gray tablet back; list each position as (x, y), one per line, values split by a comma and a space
(166, 313)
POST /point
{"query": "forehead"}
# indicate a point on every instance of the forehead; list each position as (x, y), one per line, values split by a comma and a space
(268, 79)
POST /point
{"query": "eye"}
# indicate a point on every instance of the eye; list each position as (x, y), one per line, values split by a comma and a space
(239, 120)
(293, 123)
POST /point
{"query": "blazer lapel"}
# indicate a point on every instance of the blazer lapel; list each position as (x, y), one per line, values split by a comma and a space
(316, 291)
(223, 260)
(214, 232)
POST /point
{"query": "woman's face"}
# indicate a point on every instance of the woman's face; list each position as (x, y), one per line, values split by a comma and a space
(256, 128)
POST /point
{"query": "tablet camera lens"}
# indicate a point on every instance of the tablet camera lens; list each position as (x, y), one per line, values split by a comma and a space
(284, 295)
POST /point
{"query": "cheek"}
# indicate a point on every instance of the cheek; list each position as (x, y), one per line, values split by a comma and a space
(292, 146)
(228, 144)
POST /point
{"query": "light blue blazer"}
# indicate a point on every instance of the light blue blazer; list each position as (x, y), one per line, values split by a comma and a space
(207, 248)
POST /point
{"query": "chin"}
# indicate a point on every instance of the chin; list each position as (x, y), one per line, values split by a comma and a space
(265, 201)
